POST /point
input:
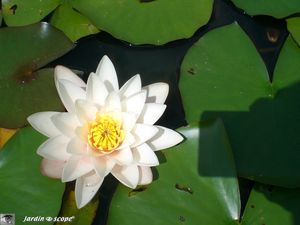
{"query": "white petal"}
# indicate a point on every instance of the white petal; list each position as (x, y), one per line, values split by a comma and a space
(66, 123)
(69, 93)
(143, 133)
(122, 157)
(85, 111)
(107, 74)
(129, 120)
(151, 113)
(131, 87)
(113, 102)
(127, 175)
(64, 73)
(165, 138)
(146, 176)
(76, 166)
(77, 147)
(143, 155)
(103, 165)
(52, 168)
(42, 122)
(86, 187)
(157, 92)
(55, 148)
(128, 141)
(96, 91)
(135, 103)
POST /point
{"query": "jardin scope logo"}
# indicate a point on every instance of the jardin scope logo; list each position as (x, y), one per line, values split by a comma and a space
(7, 219)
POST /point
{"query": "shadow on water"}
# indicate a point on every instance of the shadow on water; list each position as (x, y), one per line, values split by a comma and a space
(265, 144)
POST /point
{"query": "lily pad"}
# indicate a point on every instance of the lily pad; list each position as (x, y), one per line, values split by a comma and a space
(180, 195)
(24, 88)
(187, 192)
(24, 191)
(77, 216)
(262, 117)
(72, 23)
(272, 205)
(275, 8)
(293, 25)
(20, 12)
(147, 22)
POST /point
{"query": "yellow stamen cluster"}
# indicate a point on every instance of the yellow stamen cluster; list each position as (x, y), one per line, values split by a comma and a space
(105, 133)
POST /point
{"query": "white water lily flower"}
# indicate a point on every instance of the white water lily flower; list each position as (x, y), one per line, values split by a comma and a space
(105, 130)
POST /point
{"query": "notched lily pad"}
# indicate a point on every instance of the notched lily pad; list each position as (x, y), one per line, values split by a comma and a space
(275, 8)
(24, 88)
(147, 22)
(262, 117)
(24, 191)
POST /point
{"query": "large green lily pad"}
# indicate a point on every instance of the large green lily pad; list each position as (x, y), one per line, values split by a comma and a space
(202, 195)
(20, 12)
(293, 25)
(147, 22)
(24, 88)
(275, 8)
(262, 117)
(180, 195)
(24, 191)
(72, 23)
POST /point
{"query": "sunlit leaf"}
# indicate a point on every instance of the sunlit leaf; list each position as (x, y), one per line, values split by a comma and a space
(72, 23)
(147, 22)
(293, 25)
(181, 195)
(20, 12)
(24, 191)
(228, 79)
(275, 8)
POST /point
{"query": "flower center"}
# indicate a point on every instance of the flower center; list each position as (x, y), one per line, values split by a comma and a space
(105, 133)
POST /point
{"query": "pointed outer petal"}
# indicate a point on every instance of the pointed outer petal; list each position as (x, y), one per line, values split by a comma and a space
(103, 165)
(42, 122)
(96, 91)
(69, 93)
(143, 155)
(113, 102)
(85, 111)
(66, 123)
(55, 148)
(143, 133)
(64, 73)
(52, 168)
(129, 120)
(151, 113)
(122, 157)
(146, 175)
(127, 175)
(132, 86)
(135, 103)
(77, 147)
(86, 187)
(165, 138)
(76, 166)
(107, 74)
(157, 92)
